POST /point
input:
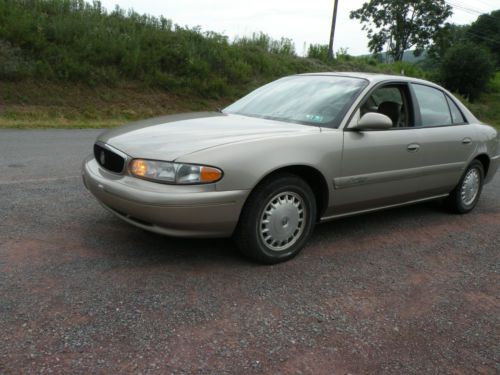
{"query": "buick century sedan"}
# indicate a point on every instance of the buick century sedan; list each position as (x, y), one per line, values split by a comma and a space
(301, 150)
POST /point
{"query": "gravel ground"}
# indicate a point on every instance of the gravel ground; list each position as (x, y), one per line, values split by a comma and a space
(406, 291)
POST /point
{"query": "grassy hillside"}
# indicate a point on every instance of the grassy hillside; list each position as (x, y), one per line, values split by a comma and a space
(61, 105)
(72, 41)
(488, 107)
(68, 63)
(26, 104)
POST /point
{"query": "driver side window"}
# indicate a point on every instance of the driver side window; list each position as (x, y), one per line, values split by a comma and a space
(390, 100)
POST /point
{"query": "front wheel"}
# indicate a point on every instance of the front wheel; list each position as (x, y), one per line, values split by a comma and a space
(466, 194)
(277, 219)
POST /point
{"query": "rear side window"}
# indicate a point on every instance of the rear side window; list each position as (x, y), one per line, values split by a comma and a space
(434, 109)
(456, 115)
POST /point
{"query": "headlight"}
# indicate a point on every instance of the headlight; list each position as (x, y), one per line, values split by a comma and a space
(174, 173)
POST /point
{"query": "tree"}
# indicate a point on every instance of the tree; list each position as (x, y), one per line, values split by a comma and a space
(445, 38)
(486, 31)
(401, 24)
(467, 68)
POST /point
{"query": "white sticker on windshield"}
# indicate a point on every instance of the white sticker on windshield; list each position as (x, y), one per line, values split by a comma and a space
(315, 118)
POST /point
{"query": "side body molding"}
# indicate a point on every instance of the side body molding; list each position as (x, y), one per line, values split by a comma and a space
(388, 176)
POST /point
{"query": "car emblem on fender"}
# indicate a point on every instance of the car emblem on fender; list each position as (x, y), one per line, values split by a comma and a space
(102, 157)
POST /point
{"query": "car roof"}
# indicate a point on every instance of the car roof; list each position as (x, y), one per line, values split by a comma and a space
(372, 77)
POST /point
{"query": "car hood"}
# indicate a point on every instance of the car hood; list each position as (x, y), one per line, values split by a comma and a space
(169, 137)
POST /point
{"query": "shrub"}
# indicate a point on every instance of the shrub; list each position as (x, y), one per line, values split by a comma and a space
(467, 68)
(12, 63)
(318, 51)
(77, 41)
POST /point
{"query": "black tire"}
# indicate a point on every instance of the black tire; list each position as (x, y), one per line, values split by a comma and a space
(248, 236)
(455, 201)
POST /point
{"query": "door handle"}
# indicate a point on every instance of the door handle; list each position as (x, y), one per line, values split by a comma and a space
(414, 147)
(466, 141)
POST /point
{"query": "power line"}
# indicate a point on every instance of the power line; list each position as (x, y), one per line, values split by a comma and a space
(466, 6)
(474, 12)
(465, 9)
(482, 37)
(486, 3)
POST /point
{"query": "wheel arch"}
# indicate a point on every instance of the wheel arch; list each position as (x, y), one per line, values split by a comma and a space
(312, 176)
(485, 161)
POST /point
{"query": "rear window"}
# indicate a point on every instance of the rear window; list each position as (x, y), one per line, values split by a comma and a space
(456, 115)
(434, 109)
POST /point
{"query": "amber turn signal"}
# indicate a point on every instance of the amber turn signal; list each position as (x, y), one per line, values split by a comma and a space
(210, 174)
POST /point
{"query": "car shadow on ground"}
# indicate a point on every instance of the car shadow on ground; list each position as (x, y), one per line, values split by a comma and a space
(133, 244)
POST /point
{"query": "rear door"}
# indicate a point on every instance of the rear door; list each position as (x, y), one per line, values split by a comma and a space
(447, 141)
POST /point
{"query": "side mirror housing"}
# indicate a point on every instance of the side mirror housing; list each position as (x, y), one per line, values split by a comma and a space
(373, 121)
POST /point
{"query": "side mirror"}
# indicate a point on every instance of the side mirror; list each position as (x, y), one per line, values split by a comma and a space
(373, 121)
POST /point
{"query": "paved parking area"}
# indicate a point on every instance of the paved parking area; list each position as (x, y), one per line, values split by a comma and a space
(406, 291)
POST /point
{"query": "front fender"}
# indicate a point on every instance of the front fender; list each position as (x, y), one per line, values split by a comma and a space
(246, 163)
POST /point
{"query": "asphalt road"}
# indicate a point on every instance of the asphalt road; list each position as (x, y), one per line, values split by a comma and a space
(406, 291)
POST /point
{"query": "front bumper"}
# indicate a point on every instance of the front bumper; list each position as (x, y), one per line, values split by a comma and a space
(180, 211)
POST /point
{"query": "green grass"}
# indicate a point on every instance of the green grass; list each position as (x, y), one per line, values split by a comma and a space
(29, 105)
(52, 105)
(74, 41)
(487, 108)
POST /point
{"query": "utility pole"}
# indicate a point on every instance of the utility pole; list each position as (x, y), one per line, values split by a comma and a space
(332, 34)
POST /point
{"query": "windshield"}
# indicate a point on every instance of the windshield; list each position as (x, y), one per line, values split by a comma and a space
(312, 100)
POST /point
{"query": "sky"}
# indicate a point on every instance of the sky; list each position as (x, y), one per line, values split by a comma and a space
(305, 22)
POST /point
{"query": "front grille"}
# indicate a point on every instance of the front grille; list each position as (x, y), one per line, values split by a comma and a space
(108, 159)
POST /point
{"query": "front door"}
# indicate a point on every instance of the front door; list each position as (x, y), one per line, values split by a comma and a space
(380, 167)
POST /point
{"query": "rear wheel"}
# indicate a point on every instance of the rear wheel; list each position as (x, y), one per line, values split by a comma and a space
(277, 219)
(466, 194)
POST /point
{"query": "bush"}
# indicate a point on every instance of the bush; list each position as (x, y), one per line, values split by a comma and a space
(12, 64)
(407, 69)
(77, 41)
(318, 51)
(467, 69)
